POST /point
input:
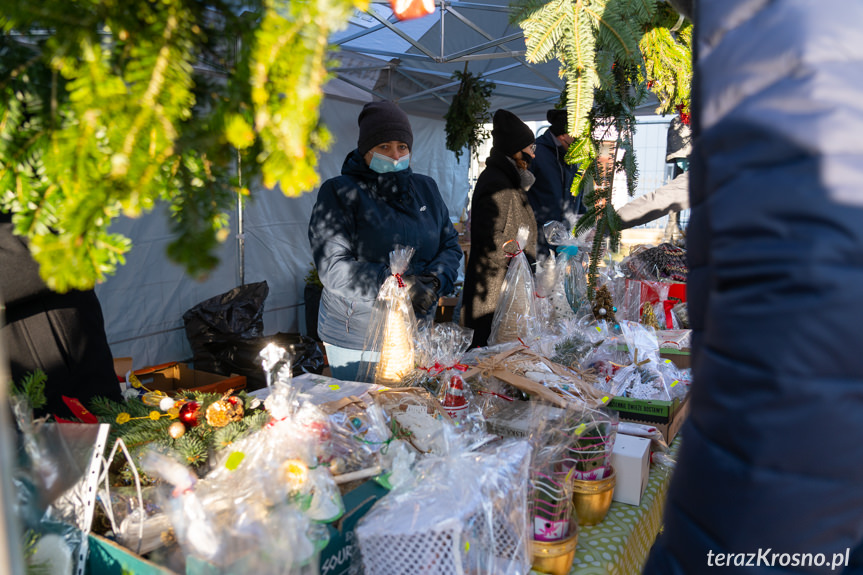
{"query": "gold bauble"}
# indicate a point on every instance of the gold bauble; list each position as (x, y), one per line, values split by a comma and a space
(177, 429)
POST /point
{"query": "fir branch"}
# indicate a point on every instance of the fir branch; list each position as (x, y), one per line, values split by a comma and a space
(32, 388)
(468, 112)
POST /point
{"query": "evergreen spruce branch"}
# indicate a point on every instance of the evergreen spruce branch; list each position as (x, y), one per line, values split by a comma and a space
(468, 112)
(32, 387)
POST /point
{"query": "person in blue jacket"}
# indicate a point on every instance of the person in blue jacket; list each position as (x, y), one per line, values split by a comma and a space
(550, 195)
(769, 474)
(377, 202)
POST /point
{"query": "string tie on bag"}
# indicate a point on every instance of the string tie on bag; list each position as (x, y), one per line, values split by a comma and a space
(439, 368)
(399, 280)
(512, 254)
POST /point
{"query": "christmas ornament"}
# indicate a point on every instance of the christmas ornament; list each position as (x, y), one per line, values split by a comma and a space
(189, 413)
(295, 473)
(222, 412)
(166, 404)
(176, 430)
(153, 398)
(454, 402)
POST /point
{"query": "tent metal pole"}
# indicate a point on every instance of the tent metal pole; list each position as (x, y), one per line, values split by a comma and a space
(442, 33)
(11, 560)
(241, 238)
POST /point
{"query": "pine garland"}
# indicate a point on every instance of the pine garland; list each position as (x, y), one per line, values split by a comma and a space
(196, 444)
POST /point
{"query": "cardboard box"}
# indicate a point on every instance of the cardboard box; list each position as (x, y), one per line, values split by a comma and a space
(173, 377)
(631, 462)
(122, 366)
(667, 416)
(339, 555)
(108, 558)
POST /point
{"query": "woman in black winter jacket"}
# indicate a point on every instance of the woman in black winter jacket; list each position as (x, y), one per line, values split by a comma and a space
(498, 209)
(359, 218)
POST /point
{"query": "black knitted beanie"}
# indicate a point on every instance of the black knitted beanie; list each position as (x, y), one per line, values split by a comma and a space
(383, 122)
(557, 119)
(509, 134)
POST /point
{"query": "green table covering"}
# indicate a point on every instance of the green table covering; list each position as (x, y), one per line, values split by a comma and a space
(620, 544)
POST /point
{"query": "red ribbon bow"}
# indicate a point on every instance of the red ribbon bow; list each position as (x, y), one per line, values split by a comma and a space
(438, 368)
(667, 305)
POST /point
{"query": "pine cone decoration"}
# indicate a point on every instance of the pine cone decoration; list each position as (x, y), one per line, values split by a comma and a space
(222, 412)
(603, 305)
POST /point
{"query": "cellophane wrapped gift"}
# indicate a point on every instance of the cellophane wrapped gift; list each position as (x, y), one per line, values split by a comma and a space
(546, 285)
(443, 346)
(462, 513)
(515, 316)
(392, 328)
(261, 507)
(578, 341)
(53, 487)
(416, 416)
(572, 257)
(550, 504)
(646, 375)
(591, 436)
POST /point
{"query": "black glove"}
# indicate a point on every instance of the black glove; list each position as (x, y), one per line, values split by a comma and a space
(423, 291)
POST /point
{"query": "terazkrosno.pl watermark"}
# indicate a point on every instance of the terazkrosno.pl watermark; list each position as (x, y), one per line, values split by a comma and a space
(769, 558)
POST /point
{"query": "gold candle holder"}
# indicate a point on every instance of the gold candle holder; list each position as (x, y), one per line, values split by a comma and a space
(592, 498)
(555, 557)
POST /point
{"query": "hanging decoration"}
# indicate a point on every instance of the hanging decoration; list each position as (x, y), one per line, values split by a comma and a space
(468, 113)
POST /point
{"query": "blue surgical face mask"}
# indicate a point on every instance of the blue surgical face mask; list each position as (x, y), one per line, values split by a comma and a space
(384, 164)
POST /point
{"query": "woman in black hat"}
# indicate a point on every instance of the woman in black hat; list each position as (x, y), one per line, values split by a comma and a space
(498, 209)
(360, 216)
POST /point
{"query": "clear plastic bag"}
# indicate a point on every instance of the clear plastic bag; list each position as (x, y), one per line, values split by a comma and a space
(418, 417)
(392, 329)
(55, 482)
(463, 512)
(591, 442)
(516, 316)
(572, 252)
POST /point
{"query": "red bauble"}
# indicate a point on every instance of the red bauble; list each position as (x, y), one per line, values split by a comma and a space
(189, 413)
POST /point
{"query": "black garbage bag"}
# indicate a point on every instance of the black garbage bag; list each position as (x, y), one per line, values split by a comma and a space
(304, 352)
(226, 336)
(215, 326)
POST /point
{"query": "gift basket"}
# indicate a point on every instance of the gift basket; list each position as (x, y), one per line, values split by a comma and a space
(463, 513)
(54, 480)
(261, 506)
(522, 369)
(516, 314)
(392, 328)
(644, 375)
